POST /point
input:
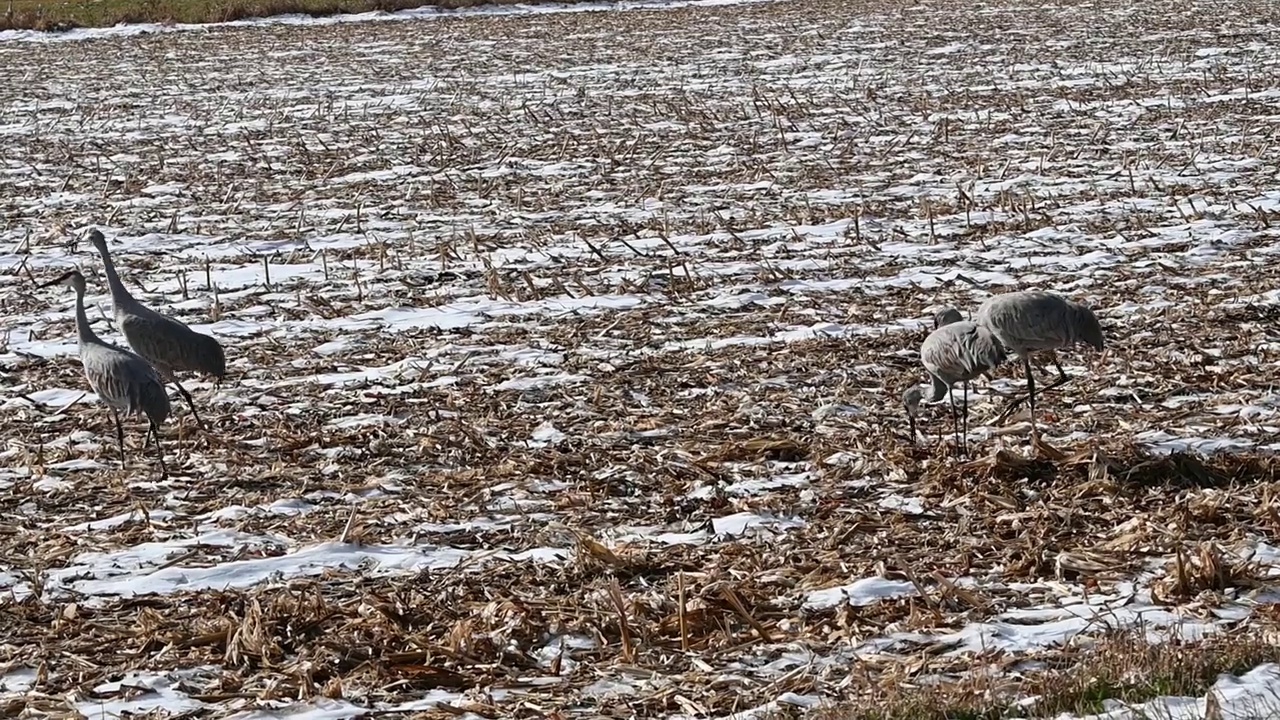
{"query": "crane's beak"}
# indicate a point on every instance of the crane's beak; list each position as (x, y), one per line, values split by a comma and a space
(60, 280)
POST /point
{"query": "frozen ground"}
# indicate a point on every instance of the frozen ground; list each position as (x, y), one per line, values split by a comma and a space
(566, 351)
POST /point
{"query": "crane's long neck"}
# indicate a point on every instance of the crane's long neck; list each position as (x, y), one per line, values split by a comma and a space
(939, 388)
(1084, 326)
(119, 295)
(82, 321)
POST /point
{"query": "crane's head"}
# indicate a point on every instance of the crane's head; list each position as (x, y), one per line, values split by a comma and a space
(911, 402)
(72, 279)
(1088, 329)
(96, 239)
(911, 399)
(946, 316)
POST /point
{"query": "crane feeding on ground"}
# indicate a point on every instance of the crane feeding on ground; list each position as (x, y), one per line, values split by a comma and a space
(121, 379)
(166, 343)
(956, 351)
(1031, 321)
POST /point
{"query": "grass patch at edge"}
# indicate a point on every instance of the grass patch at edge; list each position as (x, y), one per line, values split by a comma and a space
(1118, 667)
(56, 15)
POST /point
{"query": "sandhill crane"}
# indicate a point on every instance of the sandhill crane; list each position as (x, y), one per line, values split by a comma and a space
(122, 380)
(166, 343)
(957, 351)
(1031, 321)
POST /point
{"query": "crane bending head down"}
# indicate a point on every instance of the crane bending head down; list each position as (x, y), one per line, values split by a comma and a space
(915, 394)
(955, 352)
(1031, 321)
(1088, 329)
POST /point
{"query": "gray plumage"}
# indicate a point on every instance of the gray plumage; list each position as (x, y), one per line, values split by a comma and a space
(122, 380)
(166, 343)
(946, 316)
(957, 351)
(1031, 321)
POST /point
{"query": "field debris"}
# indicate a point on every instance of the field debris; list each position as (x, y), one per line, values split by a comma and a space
(566, 352)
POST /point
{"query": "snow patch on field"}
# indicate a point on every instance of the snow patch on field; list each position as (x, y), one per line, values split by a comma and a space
(520, 301)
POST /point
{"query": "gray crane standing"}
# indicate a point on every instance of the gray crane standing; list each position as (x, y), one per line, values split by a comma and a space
(1030, 321)
(122, 380)
(956, 351)
(166, 343)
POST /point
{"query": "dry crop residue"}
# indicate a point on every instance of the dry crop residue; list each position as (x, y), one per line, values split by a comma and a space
(566, 352)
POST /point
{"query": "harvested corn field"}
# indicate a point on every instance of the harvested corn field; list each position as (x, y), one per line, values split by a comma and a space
(566, 352)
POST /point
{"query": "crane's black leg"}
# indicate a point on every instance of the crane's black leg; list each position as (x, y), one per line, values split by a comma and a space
(965, 409)
(119, 435)
(190, 402)
(955, 420)
(1009, 407)
(1062, 374)
(1031, 394)
(1017, 400)
(153, 434)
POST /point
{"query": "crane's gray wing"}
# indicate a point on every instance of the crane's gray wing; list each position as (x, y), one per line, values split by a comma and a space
(977, 351)
(126, 382)
(960, 351)
(1028, 321)
(172, 346)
